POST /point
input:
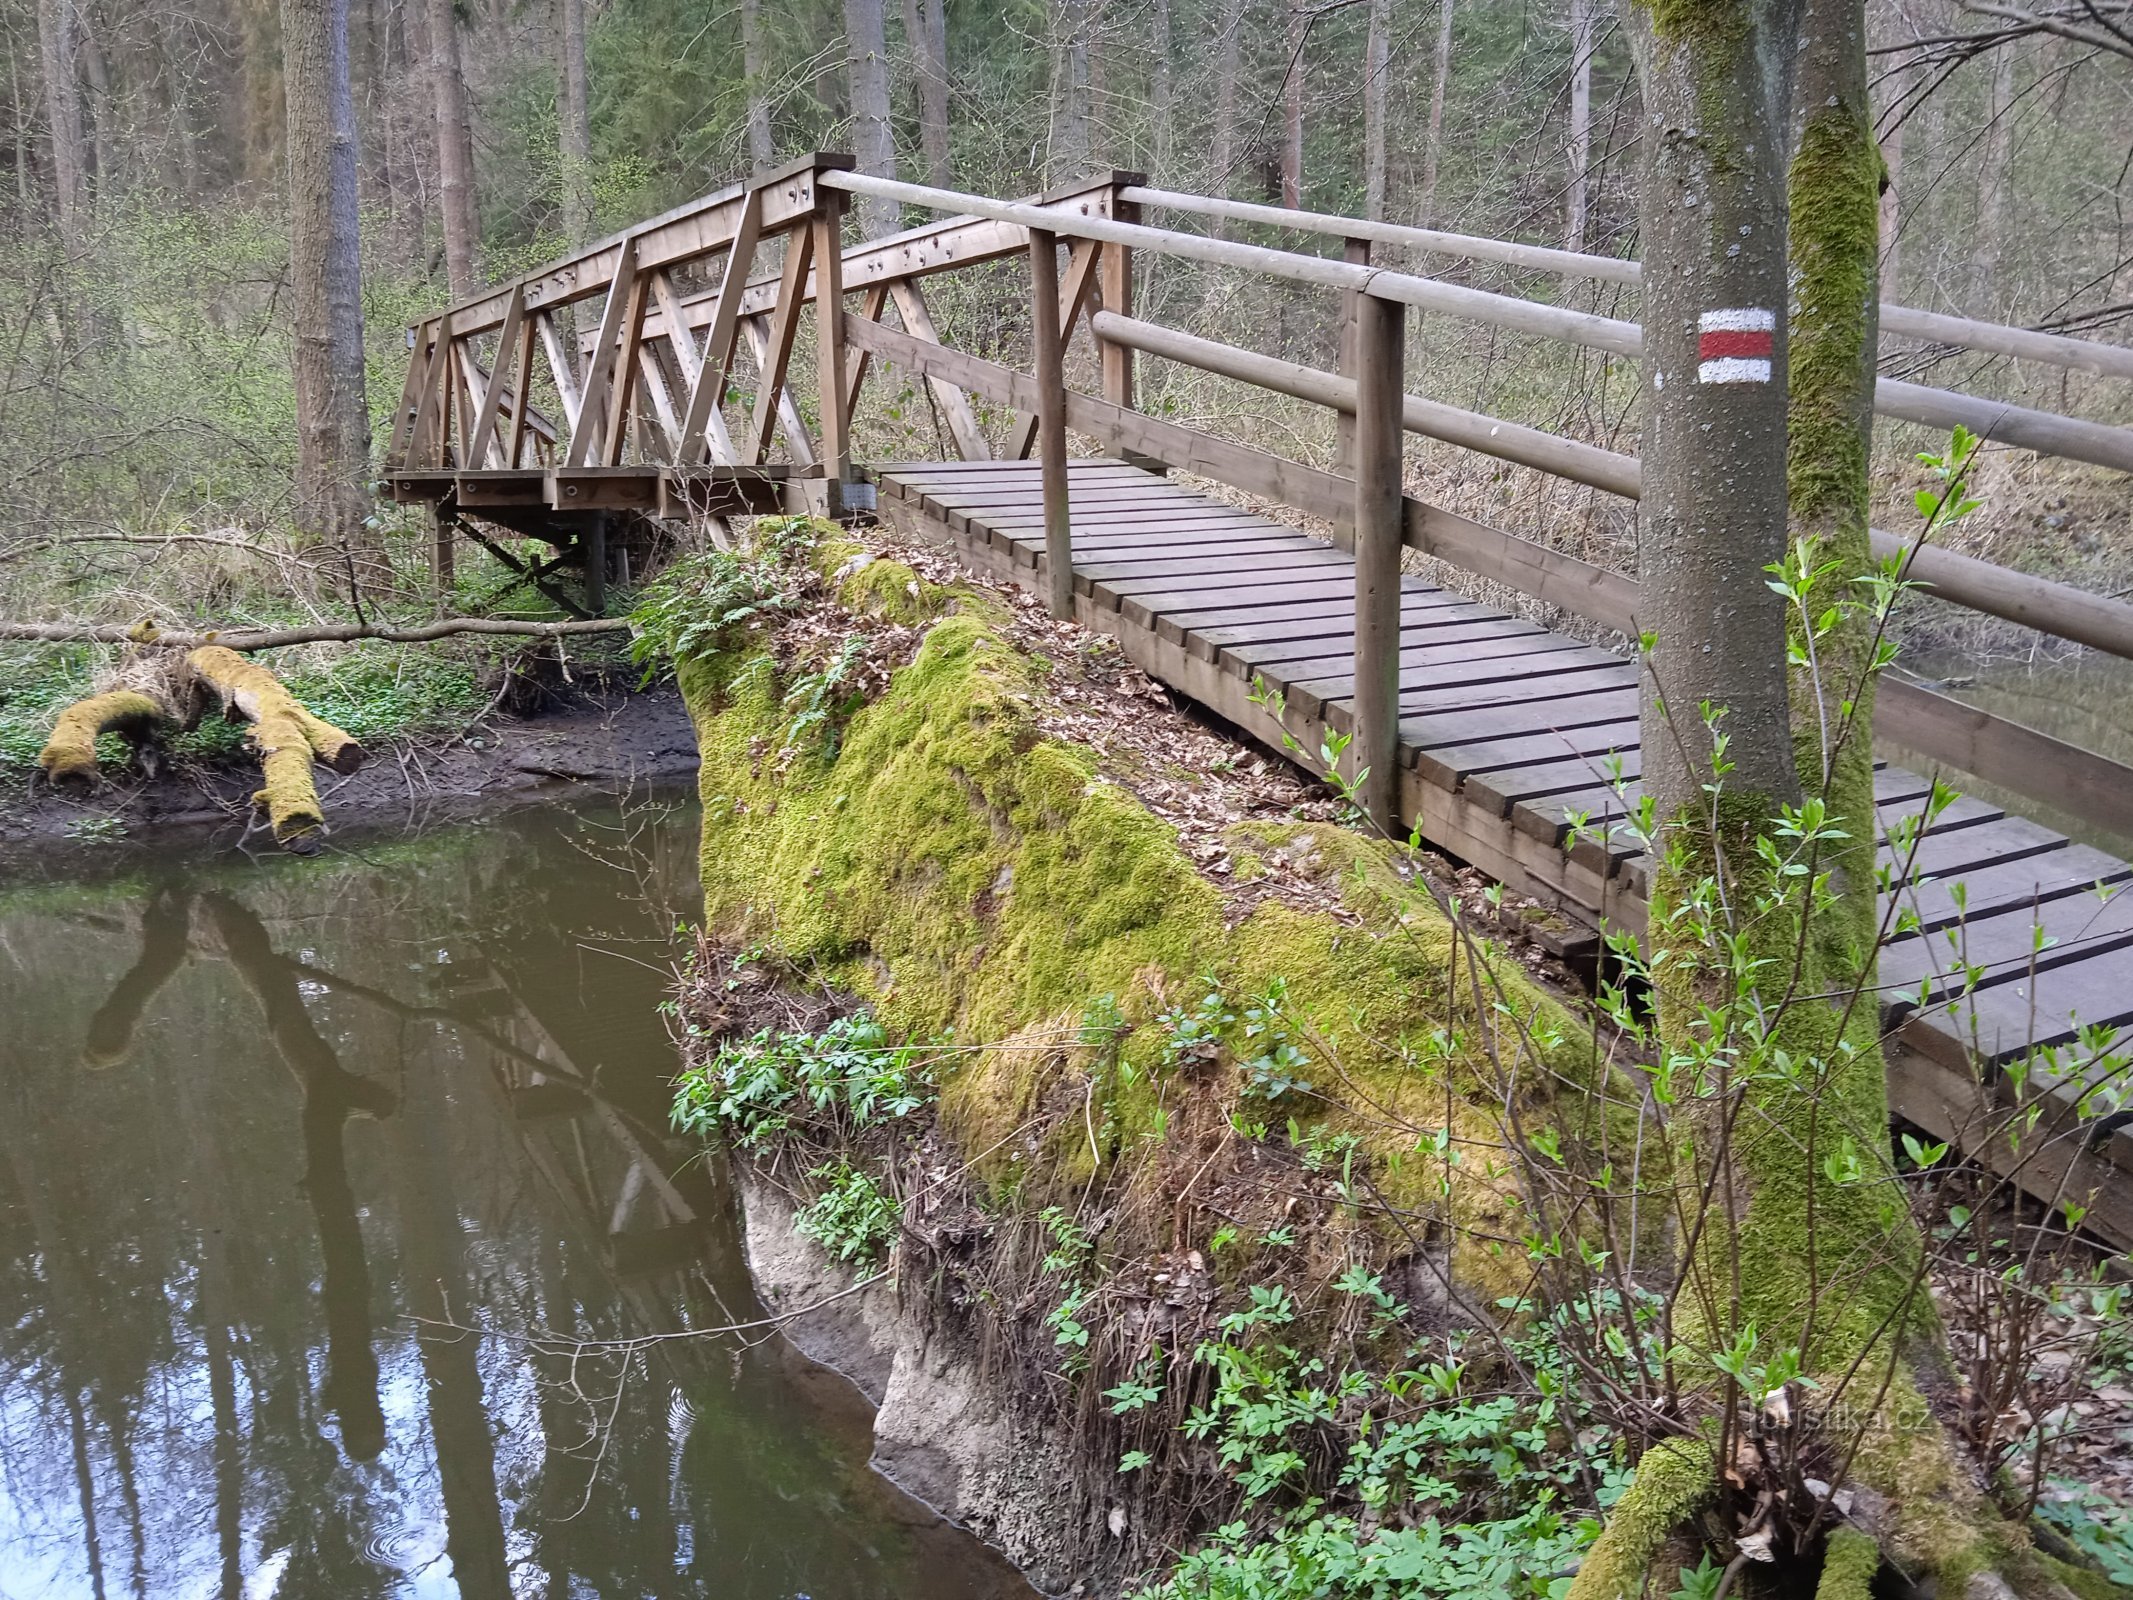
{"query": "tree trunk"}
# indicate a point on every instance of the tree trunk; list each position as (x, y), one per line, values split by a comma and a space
(1070, 93)
(1161, 141)
(762, 147)
(1994, 173)
(1576, 198)
(1433, 139)
(873, 142)
(103, 113)
(574, 121)
(59, 43)
(1222, 153)
(325, 269)
(1292, 142)
(1890, 208)
(455, 153)
(926, 29)
(1377, 65)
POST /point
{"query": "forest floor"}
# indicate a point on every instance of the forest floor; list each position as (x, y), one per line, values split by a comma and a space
(601, 734)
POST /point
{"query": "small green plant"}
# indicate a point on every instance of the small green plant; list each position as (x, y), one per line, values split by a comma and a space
(851, 1218)
(849, 1077)
(699, 604)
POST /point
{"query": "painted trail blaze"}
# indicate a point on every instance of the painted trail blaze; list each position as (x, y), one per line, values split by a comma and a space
(1735, 346)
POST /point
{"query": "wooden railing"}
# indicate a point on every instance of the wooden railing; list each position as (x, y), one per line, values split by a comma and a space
(618, 391)
(630, 389)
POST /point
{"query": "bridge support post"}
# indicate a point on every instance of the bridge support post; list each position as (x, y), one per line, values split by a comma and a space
(1051, 420)
(1373, 755)
(830, 355)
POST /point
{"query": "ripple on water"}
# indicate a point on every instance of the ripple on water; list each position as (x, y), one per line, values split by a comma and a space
(403, 1547)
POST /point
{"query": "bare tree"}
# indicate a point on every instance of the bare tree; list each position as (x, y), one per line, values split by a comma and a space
(926, 30)
(1994, 173)
(1161, 141)
(574, 121)
(1070, 144)
(1292, 110)
(762, 148)
(455, 153)
(1433, 138)
(1222, 154)
(1377, 65)
(59, 44)
(873, 140)
(1576, 199)
(325, 269)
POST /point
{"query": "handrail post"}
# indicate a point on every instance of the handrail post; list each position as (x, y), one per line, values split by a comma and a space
(1051, 420)
(1115, 288)
(830, 380)
(1373, 753)
(1358, 252)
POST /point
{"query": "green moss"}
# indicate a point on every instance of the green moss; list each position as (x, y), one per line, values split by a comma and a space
(1848, 1566)
(1673, 1480)
(963, 872)
(888, 589)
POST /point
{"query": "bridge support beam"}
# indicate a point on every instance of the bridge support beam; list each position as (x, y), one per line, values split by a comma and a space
(1380, 361)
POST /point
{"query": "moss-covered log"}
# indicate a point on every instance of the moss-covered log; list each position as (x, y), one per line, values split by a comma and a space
(146, 693)
(288, 738)
(69, 755)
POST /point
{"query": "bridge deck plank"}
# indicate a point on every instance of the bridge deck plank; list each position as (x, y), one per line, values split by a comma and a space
(1507, 733)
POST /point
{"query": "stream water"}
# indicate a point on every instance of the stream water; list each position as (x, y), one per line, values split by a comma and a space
(310, 1175)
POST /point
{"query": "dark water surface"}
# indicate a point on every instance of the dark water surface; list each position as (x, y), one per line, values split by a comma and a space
(270, 1132)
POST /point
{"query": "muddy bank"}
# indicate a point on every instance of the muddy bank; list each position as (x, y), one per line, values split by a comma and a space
(603, 737)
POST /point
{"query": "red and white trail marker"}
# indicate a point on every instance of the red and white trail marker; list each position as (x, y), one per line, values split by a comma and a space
(1735, 346)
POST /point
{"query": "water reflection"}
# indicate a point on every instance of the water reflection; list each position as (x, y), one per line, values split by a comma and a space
(308, 1175)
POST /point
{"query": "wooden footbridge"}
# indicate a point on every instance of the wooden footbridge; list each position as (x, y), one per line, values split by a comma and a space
(1255, 583)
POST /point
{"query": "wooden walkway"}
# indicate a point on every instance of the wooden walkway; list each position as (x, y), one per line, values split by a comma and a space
(1507, 731)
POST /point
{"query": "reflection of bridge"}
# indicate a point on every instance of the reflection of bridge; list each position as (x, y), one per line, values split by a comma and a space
(1489, 729)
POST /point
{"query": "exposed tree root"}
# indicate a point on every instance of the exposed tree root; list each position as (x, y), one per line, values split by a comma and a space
(1849, 1563)
(288, 738)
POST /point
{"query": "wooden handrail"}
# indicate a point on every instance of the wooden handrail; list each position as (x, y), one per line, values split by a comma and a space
(2096, 620)
(2024, 344)
(2042, 431)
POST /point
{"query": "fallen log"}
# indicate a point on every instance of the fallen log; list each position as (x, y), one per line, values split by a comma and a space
(288, 738)
(137, 699)
(249, 639)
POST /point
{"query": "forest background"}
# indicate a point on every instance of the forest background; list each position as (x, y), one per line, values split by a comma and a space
(149, 411)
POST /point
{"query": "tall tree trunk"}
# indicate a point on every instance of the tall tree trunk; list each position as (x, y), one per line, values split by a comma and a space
(1161, 139)
(103, 113)
(59, 43)
(1891, 212)
(1994, 173)
(873, 141)
(1292, 110)
(1433, 138)
(1222, 154)
(325, 269)
(574, 121)
(762, 148)
(926, 30)
(1377, 66)
(1070, 92)
(455, 153)
(1576, 198)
